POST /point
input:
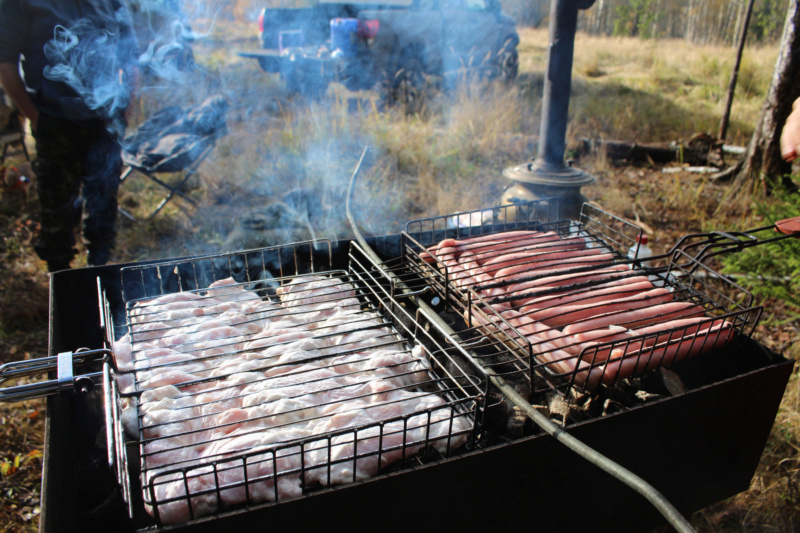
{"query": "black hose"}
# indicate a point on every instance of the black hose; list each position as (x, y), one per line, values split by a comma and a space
(673, 516)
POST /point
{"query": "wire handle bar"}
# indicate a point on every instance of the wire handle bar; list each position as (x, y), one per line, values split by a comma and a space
(65, 382)
(720, 242)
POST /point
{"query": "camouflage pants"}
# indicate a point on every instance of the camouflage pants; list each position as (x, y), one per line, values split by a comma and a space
(77, 169)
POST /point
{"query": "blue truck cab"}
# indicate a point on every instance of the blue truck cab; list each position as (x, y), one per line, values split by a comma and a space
(390, 43)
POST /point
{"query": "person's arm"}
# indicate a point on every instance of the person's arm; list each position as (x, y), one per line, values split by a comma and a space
(790, 136)
(13, 85)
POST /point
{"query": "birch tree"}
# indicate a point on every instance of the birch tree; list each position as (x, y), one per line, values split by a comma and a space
(763, 163)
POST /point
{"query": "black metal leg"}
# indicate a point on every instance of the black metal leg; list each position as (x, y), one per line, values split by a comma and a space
(125, 174)
(173, 190)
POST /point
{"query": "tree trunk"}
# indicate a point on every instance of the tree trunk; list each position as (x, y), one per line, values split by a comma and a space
(690, 16)
(763, 162)
(723, 126)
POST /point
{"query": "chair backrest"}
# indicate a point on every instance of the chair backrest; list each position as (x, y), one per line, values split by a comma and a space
(174, 138)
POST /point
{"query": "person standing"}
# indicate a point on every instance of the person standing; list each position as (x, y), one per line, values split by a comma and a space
(70, 67)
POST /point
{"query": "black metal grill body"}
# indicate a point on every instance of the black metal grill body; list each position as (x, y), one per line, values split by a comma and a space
(696, 448)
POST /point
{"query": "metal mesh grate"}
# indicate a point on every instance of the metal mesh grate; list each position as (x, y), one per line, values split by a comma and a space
(565, 305)
(261, 377)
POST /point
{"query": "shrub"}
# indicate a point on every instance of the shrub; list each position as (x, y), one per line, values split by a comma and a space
(772, 270)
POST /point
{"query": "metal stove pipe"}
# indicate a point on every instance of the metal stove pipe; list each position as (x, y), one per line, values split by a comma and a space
(548, 176)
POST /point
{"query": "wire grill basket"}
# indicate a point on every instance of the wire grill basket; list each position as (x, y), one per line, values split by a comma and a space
(263, 376)
(531, 286)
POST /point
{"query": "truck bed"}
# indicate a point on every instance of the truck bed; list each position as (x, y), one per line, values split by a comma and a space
(274, 60)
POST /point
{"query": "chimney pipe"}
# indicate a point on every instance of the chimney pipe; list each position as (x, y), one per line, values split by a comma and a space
(548, 176)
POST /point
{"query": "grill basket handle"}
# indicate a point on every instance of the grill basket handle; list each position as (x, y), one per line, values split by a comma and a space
(789, 226)
(720, 242)
(66, 381)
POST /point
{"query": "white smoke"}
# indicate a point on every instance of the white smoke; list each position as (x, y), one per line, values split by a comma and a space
(166, 35)
(85, 57)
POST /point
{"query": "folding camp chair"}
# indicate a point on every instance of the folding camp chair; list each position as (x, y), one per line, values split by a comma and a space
(174, 140)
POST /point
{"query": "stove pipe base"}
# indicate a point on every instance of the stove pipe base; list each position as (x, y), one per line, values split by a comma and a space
(539, 180)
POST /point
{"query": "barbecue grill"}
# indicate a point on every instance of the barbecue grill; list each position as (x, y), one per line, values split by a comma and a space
(708, 433)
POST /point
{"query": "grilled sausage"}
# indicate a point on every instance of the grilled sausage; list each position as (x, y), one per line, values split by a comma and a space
(568, 314)
(637, 317)
(489, 250)
(529, 289)
(624, 363)
(512, 256)
(602, 293)
(561, 262)
(511, 238)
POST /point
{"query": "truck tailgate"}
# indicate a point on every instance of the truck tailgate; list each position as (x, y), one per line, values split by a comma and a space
(270, 60)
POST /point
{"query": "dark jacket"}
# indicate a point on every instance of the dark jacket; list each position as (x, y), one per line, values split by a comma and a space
(71, 52)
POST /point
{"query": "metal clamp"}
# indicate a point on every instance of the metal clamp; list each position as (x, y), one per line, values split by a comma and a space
(65, 374)
(66, 381)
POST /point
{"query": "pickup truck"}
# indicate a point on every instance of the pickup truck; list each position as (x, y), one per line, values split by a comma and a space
(392, 44)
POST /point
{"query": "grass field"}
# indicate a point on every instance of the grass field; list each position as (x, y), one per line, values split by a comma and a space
(448, 158)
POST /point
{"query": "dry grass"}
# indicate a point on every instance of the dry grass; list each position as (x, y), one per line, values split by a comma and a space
(23, 335)
(448, 158)
(657, 91)
(20, 465)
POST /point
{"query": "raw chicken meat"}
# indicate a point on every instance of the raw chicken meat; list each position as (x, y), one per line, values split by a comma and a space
(229, 385)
